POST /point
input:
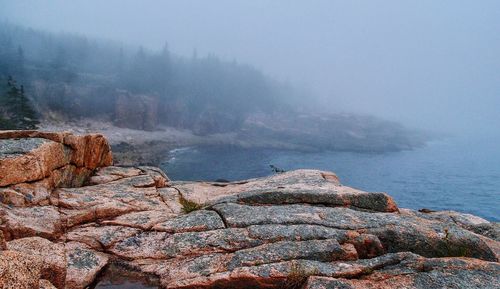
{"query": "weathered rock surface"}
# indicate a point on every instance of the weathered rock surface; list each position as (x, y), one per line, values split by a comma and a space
(291, 230)
(21, 271)
(83, 264)
(53, 267)
(302, 186)
(420, 273)
(33, 163)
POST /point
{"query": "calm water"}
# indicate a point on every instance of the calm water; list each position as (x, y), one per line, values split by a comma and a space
(118, 277)
(454, 174)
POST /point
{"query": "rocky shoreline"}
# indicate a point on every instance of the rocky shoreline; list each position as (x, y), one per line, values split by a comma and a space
(67, 214)
(304, 133)
(131, 146)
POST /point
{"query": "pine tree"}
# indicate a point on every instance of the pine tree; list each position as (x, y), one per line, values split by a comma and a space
(11, 101)
(29, 118)
(18, 106)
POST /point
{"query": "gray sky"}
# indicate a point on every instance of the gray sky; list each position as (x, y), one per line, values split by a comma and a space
(428, 63)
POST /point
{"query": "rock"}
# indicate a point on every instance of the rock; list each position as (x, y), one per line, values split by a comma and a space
(319, 250)
(136, 111)
(205, 272)
(19, 270)
(396, 233)
(202, 220)
(39, 153)
(43, 221)
(30, 159)
(33, 163)
(100, 237)
(45, 284)
(420, 273)
(90, 151)
(144, 245)
(143, 220)
(171, 198)
(11, 197)
(83, 265)
(160, 178)
(300, 232)
(112, 173)
(3, 244)
(299, 229)
(300, 186)
(16, 134)
(467, 221)
(52, 255)
(109, 200)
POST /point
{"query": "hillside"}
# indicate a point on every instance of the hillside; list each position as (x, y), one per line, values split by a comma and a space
(70, 78)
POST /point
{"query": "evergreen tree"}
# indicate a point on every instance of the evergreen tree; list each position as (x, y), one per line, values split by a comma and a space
(18, 107)
(29, 116)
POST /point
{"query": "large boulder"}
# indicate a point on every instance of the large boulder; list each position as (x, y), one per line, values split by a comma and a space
(30, 159)
(33, 163)
(296, 187)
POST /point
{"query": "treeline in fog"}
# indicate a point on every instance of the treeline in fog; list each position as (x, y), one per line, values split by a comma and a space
(67, 77)
(70, 76)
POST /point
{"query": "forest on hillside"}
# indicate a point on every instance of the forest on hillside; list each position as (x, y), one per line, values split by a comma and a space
(72, 76)
(67, 77)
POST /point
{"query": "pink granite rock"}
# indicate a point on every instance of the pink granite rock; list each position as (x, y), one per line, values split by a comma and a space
(300, 229)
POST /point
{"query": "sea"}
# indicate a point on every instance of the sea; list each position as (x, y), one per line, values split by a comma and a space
(457, 174)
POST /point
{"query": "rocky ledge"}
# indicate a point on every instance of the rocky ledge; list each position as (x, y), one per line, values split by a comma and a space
(66, 215)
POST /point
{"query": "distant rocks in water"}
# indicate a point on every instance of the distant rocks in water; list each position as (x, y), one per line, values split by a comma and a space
(296, 229)
(335, 132)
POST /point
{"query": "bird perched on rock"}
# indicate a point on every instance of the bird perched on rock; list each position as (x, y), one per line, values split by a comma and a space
(276, 169)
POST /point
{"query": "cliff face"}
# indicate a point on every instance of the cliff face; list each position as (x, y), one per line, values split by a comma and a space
(136, 111)
(300, 229)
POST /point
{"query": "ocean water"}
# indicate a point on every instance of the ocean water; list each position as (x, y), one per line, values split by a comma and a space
(454, 174)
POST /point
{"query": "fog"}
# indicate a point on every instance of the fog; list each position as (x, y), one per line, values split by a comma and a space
(428, 64)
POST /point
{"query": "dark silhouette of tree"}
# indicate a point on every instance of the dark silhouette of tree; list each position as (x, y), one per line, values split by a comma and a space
(18, 108)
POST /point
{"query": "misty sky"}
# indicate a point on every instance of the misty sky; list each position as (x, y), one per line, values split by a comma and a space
(428, 63)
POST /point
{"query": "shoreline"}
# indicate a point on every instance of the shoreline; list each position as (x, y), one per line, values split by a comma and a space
(130, 146)
(138, 147)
